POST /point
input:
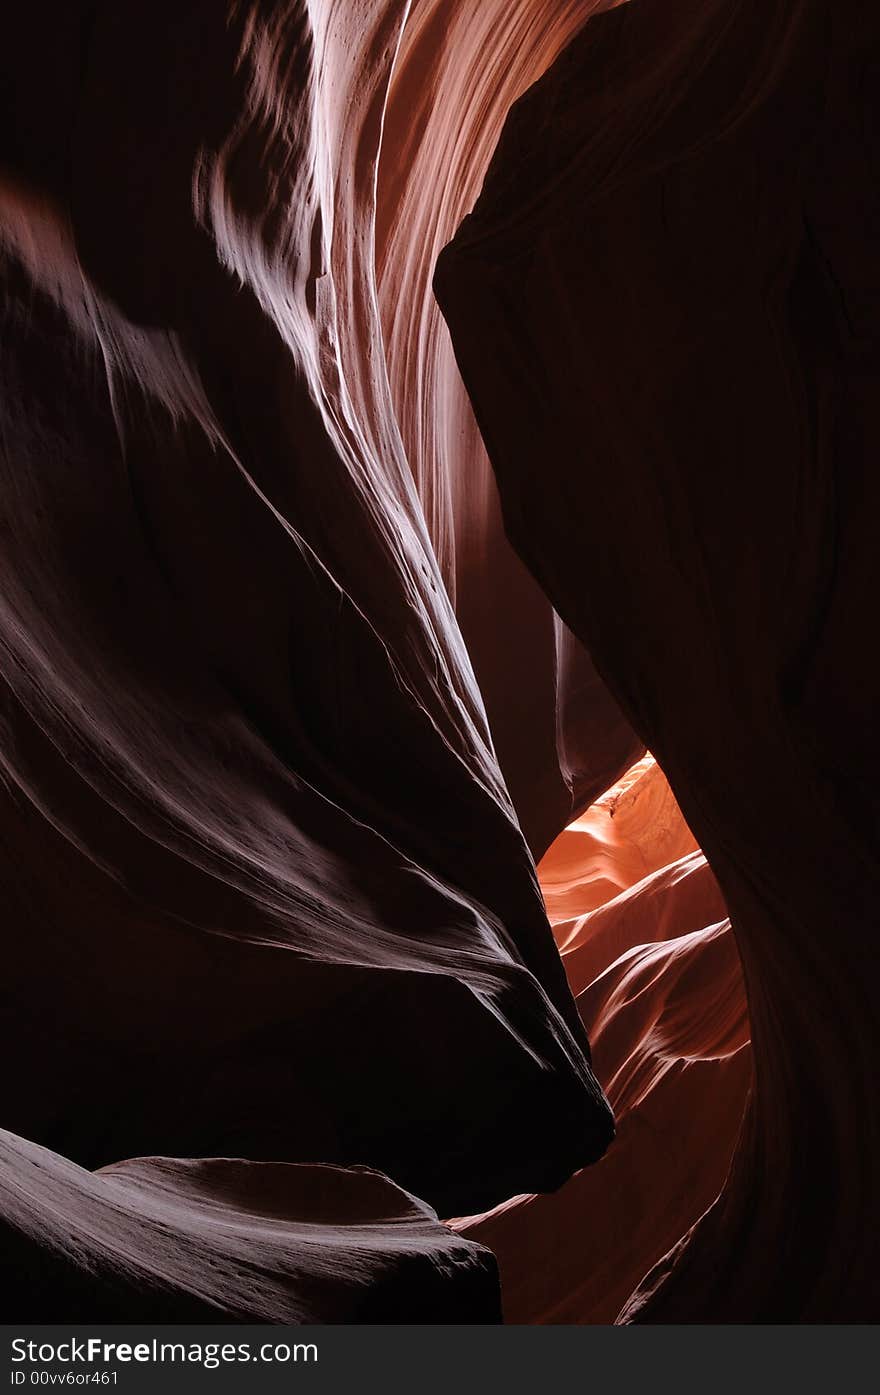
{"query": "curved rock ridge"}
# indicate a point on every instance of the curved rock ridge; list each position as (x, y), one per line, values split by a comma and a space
(222, 1240)
(560, 737)
(251, 806)
(672, 901)
(627, 873)
(634, 829)
(659, 987)
(663, 308)
(295, 684)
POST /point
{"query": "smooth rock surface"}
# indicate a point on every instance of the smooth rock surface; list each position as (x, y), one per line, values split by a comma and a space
(664, 307)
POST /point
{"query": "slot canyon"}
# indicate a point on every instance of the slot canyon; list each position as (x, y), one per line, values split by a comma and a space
(440, 838)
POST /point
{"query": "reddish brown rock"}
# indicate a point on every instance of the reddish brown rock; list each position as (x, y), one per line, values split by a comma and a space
(258, 851)
(279, 693)
(663, 307)
(660, 990)
(560, 737)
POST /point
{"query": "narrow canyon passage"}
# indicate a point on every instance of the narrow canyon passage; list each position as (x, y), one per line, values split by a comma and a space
(651, 958)
(437, 550)
(701, 206)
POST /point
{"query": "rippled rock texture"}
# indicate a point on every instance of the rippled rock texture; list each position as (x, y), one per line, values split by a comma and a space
(560, 737)
(297, 686)
(171, 1240)
(659, 987)
(266, 894)
(255, 815)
